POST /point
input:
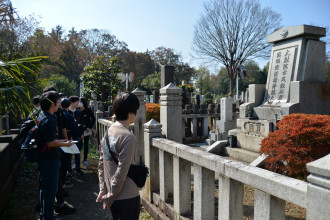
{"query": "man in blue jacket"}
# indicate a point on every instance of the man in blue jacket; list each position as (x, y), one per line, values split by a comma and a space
(49, 162)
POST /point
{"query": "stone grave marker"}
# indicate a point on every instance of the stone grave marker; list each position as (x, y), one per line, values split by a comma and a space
(167, 75)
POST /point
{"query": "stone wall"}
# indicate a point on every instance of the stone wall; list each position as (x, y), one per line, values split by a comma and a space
(10, 165)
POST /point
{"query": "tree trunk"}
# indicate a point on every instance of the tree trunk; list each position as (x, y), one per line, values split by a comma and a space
(232, 82)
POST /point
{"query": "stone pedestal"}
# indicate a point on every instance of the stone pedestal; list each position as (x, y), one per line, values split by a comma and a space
(318, 190)
(151, 129)
(171, 112)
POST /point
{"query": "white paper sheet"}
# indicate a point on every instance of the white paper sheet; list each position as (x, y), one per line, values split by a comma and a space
(88, 133)
(73, 149)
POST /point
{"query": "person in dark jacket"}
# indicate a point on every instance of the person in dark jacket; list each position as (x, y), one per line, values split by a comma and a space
(74, 110)
(49, 162)
(88, 120)
(61, 207)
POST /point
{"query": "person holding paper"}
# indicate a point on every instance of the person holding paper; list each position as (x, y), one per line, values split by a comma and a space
(88, 120)
(49, 162)
(74, 132)
(117, 191)
(74, 110)
(61, 207)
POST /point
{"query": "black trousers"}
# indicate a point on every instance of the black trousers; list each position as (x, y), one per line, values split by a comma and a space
(61, 179)
(126, 209)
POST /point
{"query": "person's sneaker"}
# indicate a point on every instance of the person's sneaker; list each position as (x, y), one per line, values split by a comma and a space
(64, 210)
(86, 163)
(69, 174)
(67, 185)
(79, 172)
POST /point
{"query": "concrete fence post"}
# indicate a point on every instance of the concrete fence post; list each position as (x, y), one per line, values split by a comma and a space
(171, 112)
(151, 129)
(166, 176)
(138, 126)
(268, 207)
(231, 194)
(99, 115)
(203, 193)
(182, 186)
(318, 189)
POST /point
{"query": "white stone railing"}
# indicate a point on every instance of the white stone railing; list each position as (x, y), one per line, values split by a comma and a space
(101, 126)
(271, 189)
(172, 166)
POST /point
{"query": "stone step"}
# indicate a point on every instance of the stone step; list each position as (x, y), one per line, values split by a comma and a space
(241, 154)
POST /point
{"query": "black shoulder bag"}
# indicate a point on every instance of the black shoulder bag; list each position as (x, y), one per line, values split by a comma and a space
(138, 173)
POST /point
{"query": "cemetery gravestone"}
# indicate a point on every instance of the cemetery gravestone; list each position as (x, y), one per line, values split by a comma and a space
(295, 84)
(167, 75)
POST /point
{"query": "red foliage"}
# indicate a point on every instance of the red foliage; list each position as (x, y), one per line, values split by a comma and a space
(152, 111)
(301, 138)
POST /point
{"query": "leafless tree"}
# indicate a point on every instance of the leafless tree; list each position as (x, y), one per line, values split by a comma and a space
(7, 12)
(231, 31)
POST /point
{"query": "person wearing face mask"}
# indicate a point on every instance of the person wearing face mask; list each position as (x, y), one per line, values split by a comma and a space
(73, 109)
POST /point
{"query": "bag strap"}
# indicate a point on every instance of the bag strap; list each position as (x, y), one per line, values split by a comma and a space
(106, 137)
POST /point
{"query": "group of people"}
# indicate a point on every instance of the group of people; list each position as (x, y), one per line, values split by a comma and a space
(58, 126)
(60, 120)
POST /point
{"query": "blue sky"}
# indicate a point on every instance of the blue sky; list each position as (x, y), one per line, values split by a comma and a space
(148, 24)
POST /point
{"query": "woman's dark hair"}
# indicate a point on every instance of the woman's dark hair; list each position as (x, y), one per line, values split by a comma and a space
(47, 99)
(125, 103)
(84, 102)
(73, 99)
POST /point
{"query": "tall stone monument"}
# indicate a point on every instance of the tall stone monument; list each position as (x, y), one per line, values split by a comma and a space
(167, 75)
(295, 84)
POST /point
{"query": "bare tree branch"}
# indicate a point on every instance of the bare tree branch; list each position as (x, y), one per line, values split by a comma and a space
(7, 12)
(232, 31)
